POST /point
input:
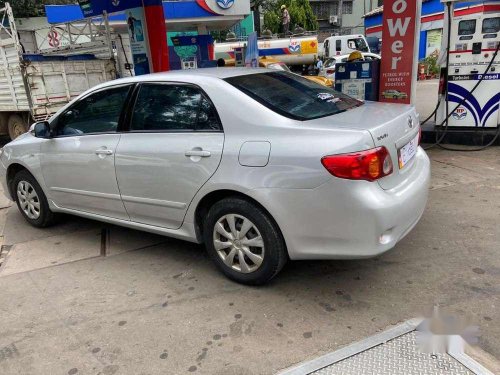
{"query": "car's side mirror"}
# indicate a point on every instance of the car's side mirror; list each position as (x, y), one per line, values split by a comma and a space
(42, 129)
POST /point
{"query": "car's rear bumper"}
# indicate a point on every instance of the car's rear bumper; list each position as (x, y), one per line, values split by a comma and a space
(344, 219)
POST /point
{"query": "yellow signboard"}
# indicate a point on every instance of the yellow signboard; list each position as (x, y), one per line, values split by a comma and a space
(308, 46)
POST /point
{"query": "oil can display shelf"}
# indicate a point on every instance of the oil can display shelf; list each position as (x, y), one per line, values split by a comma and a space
(394, 351)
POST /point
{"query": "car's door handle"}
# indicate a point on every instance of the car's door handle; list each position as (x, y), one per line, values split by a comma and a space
(104, 152)
(201, 153)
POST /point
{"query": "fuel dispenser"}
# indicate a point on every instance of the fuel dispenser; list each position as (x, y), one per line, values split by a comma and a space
(239, 56)
(358, 79)
(470, 66)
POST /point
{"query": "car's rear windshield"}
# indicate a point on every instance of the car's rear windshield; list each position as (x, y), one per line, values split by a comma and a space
(292, 95)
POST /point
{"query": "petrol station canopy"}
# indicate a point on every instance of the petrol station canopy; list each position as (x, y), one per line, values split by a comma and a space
(179, 15)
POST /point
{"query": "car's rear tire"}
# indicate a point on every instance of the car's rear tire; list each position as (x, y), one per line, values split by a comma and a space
(31, 200)
(244, 241)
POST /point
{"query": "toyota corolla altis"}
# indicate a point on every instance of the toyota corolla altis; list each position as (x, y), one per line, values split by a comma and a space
(261, 166)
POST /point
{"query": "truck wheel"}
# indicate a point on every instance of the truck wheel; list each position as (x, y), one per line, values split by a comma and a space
(3, 122)
(17, 126)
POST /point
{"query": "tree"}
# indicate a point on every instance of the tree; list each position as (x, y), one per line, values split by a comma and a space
(32, 8)
(301, 14)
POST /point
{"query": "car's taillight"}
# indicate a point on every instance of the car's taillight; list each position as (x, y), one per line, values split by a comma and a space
(367, 165)
(330, 71)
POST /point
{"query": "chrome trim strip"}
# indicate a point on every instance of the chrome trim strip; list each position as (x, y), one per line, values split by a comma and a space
(87, 193)
(154, 202)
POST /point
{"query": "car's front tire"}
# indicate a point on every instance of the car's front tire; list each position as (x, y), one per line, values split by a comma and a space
(31, 200)
(243, 241)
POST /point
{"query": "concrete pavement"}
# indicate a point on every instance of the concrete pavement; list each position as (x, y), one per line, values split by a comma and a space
(427, 96)
(154, 305)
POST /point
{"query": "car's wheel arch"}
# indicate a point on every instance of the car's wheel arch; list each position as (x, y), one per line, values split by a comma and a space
(12, 170)
(210, 198)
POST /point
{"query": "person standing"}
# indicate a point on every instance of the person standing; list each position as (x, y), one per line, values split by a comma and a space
(131, 26)
(319, 65)
(285, 19)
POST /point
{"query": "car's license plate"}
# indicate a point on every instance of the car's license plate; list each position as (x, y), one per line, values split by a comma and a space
(407, 152)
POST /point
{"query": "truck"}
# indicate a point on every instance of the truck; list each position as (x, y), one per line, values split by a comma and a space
(344, 45)
(293, 51)
(35, 86)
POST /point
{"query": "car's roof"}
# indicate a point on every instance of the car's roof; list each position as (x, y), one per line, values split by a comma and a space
(176, 75)
(184, 76)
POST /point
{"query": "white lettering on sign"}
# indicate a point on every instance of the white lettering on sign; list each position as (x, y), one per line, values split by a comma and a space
(399, 6)
(397, 46)
(395, 60)
(398, 26)
(399, 32)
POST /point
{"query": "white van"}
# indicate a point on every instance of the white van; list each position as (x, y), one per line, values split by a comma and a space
(344, 45)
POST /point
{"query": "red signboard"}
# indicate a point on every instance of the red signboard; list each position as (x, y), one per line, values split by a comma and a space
(400, 32)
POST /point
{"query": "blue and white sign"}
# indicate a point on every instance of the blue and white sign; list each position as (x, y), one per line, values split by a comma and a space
(460, 113)
(225, 4)
(91, 8)
(294, 47)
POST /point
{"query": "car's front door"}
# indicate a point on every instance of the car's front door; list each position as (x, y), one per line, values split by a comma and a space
(78, 161)
(172, 148)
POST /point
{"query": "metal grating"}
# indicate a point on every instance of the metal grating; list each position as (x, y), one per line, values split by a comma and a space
(397, 356)
(392, 352)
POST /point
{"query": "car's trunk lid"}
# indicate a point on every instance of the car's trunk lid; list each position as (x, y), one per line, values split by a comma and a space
(390, 125)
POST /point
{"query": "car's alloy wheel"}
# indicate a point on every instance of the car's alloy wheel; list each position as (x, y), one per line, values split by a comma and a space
(238, 243)
(28, 200)
(31, 199)
(244, 241)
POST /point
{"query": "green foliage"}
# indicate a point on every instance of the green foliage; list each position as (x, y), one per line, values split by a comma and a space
(301, 14)
(431, 65)
(32, 8)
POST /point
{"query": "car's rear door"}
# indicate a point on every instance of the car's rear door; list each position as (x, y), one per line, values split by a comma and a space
(173, 145)
(78, 161)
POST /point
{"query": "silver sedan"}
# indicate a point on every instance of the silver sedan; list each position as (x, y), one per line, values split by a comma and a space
(261, 166)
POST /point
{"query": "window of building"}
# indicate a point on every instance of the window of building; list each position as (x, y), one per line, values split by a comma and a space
(347, 7)
(324, 9)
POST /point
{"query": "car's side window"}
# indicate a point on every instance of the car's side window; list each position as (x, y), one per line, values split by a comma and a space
(97, 113)
(207, 117)
(168, 107)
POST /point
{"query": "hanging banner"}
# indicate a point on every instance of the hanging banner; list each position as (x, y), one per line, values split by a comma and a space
(138, 40)
(400, 42)
(252, 52)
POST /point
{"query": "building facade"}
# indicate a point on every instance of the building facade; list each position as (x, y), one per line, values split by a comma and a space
(340, 17)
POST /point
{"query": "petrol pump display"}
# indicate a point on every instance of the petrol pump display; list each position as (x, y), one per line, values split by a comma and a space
(474, 36)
